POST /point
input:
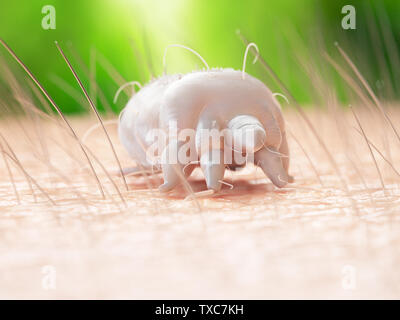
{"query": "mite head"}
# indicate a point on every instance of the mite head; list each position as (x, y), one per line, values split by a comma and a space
(247, 133)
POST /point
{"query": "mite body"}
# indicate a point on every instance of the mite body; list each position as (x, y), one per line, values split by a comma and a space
(224, 100)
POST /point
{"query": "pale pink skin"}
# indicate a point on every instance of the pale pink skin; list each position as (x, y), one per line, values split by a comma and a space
(207, 99)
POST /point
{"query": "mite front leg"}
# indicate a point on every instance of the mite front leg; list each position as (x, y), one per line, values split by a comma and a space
(284, 150)
(212, 164)
(270, 161)
(209, 145)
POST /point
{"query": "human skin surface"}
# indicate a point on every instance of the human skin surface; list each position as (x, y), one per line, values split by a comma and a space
(311, 239)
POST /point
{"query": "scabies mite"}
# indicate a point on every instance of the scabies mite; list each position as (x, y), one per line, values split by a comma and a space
(236, 109)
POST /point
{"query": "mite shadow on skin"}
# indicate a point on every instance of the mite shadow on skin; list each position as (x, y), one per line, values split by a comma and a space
(242, 188)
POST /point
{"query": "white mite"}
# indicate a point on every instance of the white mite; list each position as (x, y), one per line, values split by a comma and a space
(222, 99)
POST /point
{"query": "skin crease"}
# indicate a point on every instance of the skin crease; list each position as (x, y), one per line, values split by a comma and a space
(218, 98)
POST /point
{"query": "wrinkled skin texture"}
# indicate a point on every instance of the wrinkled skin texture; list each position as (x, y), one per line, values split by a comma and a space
(215, 99)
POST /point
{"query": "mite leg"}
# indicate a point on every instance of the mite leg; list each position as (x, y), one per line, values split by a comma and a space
(270, 161)
(173, 169)
(284, 150)
(209, 145)
(212, 164)
(172, 174)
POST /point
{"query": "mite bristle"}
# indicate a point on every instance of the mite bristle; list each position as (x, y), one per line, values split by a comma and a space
(226, 183)
(280, 95)
(200, 194)
(184, 47)
(132, 83)
(250, 45)
(281, 155)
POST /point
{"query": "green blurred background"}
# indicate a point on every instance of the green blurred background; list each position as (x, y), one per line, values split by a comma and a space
(130, 36)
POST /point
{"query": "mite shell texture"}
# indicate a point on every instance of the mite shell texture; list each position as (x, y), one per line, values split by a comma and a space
(213, 99)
